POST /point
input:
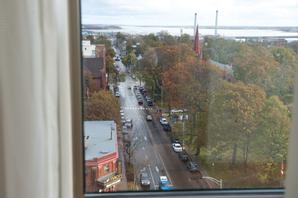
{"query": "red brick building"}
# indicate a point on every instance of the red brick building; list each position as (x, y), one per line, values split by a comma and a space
(95, 64)
(101, 156)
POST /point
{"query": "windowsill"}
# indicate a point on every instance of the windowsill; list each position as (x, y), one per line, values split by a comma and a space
(237, 193)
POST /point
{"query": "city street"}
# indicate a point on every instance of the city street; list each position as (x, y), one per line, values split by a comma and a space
(152, 151)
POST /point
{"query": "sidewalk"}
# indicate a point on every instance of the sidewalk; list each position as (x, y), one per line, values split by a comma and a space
(123, 184)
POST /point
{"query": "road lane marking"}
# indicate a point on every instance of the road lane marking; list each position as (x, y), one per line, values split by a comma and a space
(152, 176)
(145, 137)
(156, 168)
(143, 148)
(136, 108)
(165, 168)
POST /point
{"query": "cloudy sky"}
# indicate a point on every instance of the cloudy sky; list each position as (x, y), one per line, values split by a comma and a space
(181, 12)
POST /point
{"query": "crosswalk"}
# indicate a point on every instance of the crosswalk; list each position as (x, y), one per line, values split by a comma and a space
(138, 108)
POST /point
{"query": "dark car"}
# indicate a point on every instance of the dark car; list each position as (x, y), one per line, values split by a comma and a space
(149, 103)
(183, 156)
(140, 101)
(141, 89)
(192, 166)
(144, 179)
(175, 140)
(167, 127)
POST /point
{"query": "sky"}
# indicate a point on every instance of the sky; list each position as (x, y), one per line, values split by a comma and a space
(181, 12)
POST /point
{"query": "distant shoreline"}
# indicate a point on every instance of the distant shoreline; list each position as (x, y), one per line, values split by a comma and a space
(280, 28)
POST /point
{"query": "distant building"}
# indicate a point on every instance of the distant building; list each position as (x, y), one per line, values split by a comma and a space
(102, 172)
(94, 61)
(277, 42)
(88, 50)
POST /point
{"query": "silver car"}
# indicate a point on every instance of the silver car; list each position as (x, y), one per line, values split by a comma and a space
(144, 179)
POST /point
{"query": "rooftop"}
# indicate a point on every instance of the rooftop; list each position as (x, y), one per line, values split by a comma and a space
(100, 139)
(94, 65)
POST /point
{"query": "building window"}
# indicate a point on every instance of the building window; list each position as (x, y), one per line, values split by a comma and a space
(106, 168)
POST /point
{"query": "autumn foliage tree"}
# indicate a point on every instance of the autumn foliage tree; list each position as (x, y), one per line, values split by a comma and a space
(234, 116)
(102, 105)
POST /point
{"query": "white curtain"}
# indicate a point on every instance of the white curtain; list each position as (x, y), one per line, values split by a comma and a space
(35, 99)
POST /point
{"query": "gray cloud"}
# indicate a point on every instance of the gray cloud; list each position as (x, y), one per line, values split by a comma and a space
(180, 12)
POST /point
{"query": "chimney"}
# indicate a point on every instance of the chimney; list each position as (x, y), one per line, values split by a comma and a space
(112, 130)
(216, 18)
(195, 25)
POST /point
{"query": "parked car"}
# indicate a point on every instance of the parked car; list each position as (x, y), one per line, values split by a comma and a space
(124, 130)
(175, 140)
(164, 183)
(139, 97)
(192, 166)
(150, 103)
(163, 121)
(176, 111)
(144, 179)
(123, 121)
(140, 101)
(117, 94)
(128, 123)
(183, 156)
(177, 147)
(167, 127)
(149, 118)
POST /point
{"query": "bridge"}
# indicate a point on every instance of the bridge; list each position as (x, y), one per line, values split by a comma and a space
(262, 37)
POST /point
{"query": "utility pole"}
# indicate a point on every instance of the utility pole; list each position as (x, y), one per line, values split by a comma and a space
(183, 132)
(161, 97)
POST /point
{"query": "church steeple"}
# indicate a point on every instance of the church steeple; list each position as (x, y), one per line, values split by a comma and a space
(197, 45)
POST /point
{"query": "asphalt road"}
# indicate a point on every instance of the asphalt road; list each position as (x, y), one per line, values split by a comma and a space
(152, 148)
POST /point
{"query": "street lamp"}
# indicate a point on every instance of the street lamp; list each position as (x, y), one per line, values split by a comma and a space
(218, 182)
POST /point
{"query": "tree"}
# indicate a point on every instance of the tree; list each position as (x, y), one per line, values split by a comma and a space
(220, 50)
(271, 143)
(255, 65)
(186, 39)
(283, 78)
(274, 126)
(187, 85)
(89, 83)
(175, 79)
(158, 60)
(294, 45)
(102, 105)
(120, 38)
(234, 116)
(130, 59)
(166, 38)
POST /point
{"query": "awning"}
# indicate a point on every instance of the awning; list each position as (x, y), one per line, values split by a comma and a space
(107, 182)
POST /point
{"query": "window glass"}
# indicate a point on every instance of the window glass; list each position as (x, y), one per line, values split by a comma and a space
(182, 95)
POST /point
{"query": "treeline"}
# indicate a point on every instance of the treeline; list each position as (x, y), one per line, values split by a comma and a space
(245, 120)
